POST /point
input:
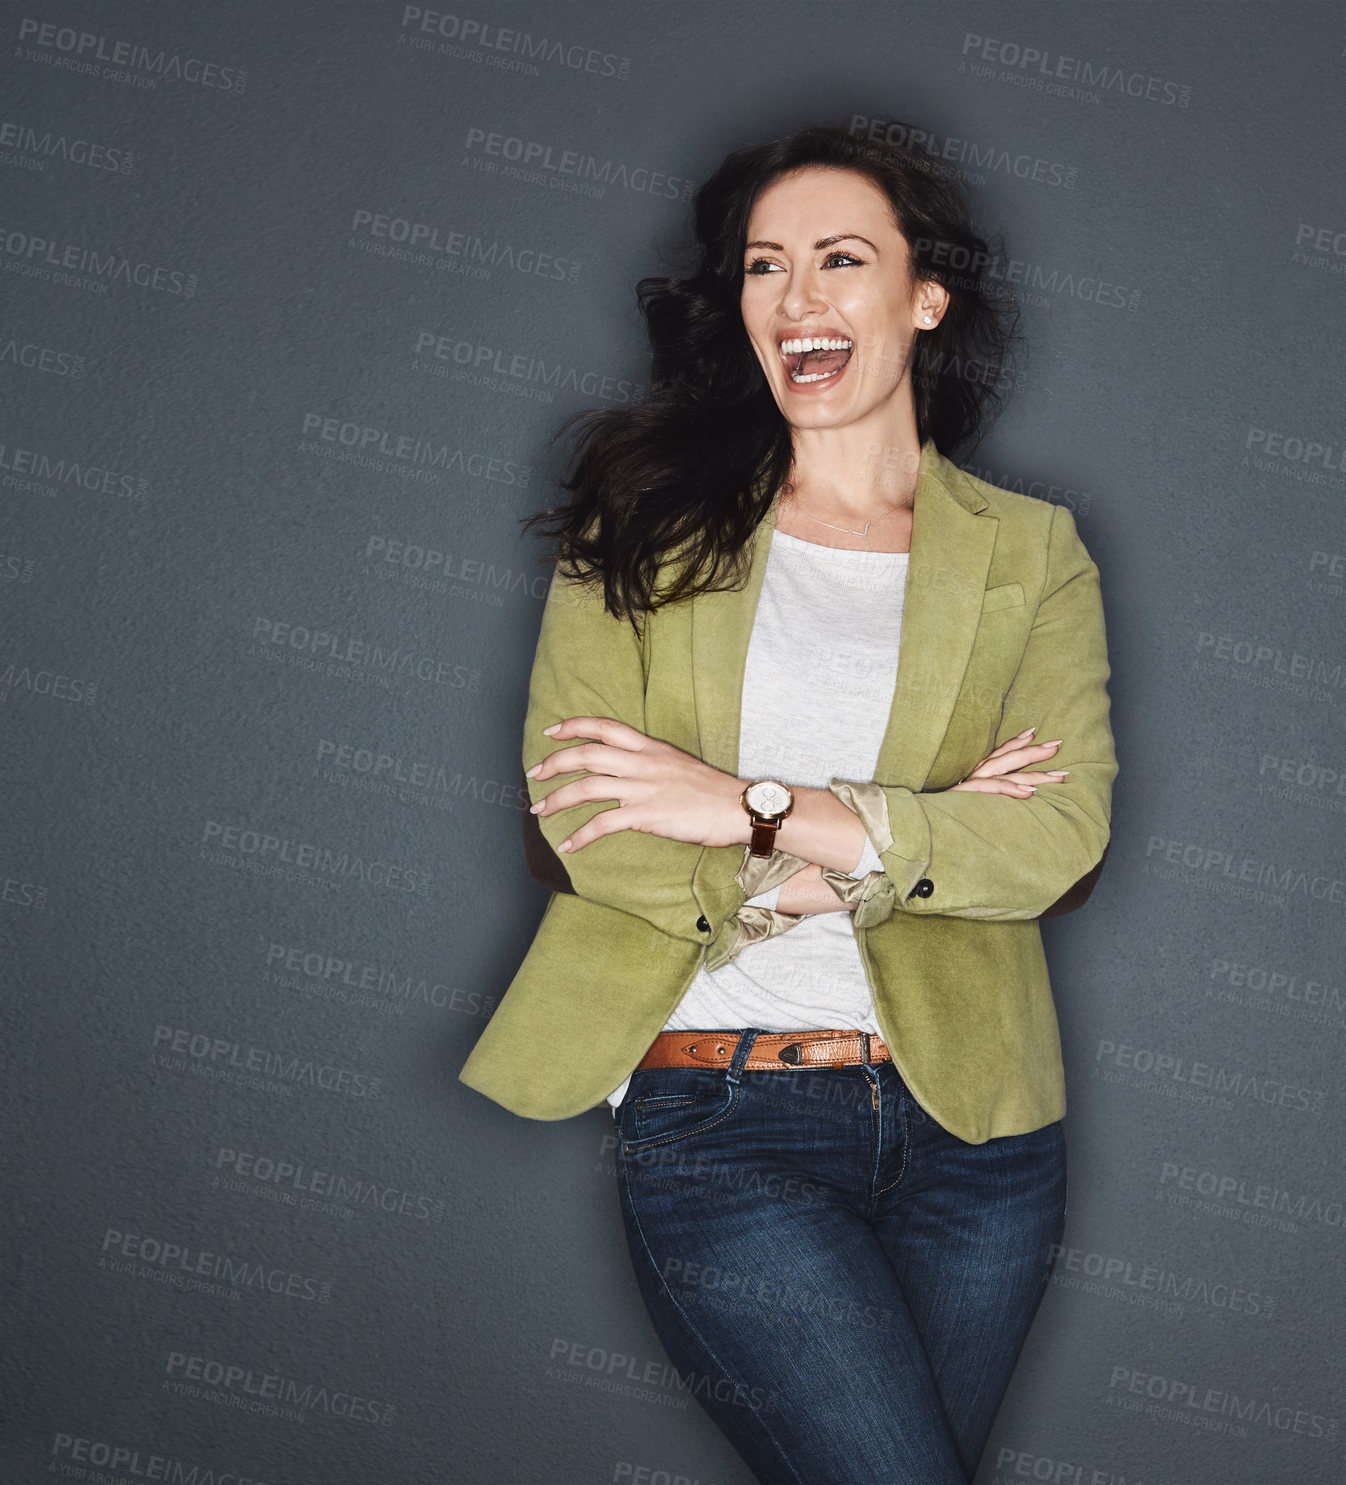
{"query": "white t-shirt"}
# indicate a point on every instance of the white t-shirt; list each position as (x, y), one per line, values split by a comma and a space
(818, 687)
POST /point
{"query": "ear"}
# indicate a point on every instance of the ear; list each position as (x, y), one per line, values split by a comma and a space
(930, 298)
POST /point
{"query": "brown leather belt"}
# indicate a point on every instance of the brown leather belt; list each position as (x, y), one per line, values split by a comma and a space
(772, 1051)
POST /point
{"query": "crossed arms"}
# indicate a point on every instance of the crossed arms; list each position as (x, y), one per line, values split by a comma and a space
(981, 855)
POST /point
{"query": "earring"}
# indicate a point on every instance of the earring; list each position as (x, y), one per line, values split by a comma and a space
(929, 320)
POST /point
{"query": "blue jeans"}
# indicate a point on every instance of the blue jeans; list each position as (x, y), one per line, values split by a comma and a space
(843, 1284)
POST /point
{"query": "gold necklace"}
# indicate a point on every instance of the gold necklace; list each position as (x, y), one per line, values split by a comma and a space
(900, 506)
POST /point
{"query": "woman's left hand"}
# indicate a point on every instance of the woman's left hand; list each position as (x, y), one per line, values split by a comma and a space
(661, 789)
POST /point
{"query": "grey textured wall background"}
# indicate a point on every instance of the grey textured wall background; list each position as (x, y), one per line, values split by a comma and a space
(293, 297)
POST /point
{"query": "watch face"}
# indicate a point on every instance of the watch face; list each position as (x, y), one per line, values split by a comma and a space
(768, 797)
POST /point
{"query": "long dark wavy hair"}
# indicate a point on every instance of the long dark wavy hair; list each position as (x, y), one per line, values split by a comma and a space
(667, 492)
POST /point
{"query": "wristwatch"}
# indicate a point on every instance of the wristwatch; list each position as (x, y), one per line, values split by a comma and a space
(767, 802)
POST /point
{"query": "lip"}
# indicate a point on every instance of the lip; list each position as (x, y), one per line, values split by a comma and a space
(826, 332)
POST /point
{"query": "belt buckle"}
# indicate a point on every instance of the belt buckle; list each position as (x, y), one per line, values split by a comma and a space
(793, 1054)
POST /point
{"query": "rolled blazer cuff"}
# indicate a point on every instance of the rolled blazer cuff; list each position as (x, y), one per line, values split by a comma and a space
(875, 894)
(753, 922)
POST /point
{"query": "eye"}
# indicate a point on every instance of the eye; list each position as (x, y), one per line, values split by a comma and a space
(759, 267)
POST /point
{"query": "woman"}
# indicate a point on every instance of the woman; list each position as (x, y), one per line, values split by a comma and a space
(801, 959)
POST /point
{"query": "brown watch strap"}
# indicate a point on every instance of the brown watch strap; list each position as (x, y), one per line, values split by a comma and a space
(764, 837)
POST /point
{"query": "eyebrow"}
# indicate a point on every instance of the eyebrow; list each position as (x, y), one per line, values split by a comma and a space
(821, 243)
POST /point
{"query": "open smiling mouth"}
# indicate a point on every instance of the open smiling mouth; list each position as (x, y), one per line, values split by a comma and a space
(811, 359)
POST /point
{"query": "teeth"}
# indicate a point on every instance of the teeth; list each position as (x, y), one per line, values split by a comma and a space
(814, 343)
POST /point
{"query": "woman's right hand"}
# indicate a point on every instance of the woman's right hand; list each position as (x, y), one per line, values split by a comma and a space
(1001, 772)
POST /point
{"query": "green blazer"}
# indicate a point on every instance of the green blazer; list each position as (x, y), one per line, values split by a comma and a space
(1002, 629)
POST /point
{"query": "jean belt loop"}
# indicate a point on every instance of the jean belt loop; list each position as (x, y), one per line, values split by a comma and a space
(741, 1053)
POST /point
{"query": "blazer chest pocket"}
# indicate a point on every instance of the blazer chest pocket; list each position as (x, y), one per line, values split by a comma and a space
(997, 651)
(1008, 595)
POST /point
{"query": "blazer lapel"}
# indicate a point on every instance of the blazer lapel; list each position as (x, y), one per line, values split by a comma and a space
(951, 546)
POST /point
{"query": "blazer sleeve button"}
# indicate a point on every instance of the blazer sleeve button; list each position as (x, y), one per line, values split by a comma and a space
(702, 924)
(924, 888)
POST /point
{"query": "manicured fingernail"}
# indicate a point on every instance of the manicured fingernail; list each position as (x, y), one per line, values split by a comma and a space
(1028, 731)
(564, 846)
(532, 772)
(1054, 742)
(1032, 788)
(549, 730)
(536, 809)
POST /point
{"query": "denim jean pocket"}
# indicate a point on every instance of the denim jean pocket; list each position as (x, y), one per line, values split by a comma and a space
(665, 1114)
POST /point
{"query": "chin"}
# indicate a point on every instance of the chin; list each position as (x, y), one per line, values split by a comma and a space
(802, 412)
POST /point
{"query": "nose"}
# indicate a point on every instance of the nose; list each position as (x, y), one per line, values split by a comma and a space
(801, 295)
